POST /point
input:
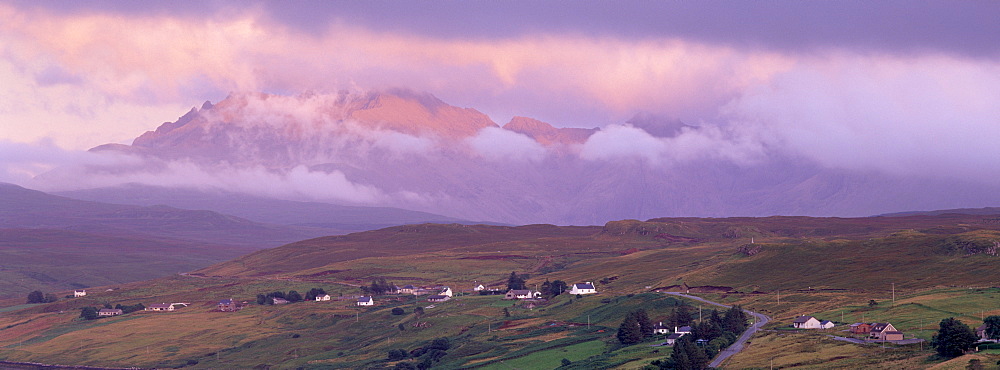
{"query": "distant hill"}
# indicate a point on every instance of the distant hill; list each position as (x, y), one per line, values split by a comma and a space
(25, 208)
(57, 260)
(964, 211)
(741, 253)
(336, 219)
(51, 242)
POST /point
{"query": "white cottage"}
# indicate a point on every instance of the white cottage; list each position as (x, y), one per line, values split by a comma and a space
(806, 322)
(583, 288)
(366, 301)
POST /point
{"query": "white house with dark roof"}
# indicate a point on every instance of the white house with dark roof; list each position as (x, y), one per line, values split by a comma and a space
(661, 329)
(322, 297)
(826, 324)
(478, 288)
(446, 291)
(366, 301)
(806, 322)
(80, 293)
(583, 288)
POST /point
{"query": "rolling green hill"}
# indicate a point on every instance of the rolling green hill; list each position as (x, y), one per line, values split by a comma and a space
(827, 266)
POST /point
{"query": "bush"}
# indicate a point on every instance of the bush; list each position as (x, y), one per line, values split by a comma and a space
(398, 311)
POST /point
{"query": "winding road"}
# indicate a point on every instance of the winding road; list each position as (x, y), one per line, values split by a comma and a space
(760, 320)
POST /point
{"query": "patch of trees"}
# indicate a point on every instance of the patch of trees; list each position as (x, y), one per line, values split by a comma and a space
(719, 331)
(953, 338)
(130, 308)
(554, 288)
(681, 315)
(378, 287)
(38, 297)
(517, 282)
(992, 327)
(425, 357)
(314, 292)
(635, 328)
(89, 313)
(292, 297)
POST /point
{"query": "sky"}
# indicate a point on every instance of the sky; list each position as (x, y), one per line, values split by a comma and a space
(903, 87)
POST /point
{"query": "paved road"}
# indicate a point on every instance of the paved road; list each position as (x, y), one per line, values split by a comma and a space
(761, 319)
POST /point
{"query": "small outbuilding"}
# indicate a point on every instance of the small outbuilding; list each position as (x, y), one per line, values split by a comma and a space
(227, 305)
(109, 312)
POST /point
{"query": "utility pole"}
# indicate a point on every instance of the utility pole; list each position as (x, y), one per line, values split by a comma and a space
(893, 294)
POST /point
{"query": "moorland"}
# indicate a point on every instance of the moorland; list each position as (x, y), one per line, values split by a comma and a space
(918, 269)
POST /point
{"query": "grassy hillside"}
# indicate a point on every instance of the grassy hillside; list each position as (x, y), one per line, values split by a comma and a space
(60, 260)
(828, 267)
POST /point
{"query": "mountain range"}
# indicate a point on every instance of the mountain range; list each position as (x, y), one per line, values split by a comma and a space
(410, 150)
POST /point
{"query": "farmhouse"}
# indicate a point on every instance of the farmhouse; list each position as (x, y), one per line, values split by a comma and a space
(109, 312)
(583, 288)
(861, 328)
(826, 324)
(79, 293)
(981, 333)
(884, 331)
(366, 301)
(407, 289)
(672, 338)
(227, 305)
(322, 297)
(438, 298)
(521, 294)
(160, 307)
(661, 329)
(684, 330)
(478, 288)
(806, 322)
(446, 291)
(276, 300)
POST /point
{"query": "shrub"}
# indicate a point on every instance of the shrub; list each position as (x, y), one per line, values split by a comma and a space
(398, 311)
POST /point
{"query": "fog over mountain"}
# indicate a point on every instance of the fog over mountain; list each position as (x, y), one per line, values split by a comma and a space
(411, 150)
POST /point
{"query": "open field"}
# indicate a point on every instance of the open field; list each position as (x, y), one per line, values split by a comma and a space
(626, 260)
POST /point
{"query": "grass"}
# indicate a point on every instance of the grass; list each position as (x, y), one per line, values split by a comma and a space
(632, 258)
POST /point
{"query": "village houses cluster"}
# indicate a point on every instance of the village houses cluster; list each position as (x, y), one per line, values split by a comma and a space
(877, 331)
(434, 294)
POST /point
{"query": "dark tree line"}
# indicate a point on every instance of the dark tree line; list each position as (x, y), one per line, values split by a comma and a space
(554, 288)
(953, 338)
(130, 308)
(292, 297)
(38, 297)
(517, 282)
(719, 331)
(635, 328)
(425, 356)
(313, 293)
(378, 287)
